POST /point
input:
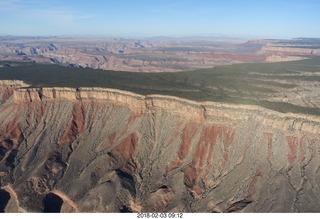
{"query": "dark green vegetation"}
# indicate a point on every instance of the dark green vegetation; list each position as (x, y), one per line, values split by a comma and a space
(239, 83)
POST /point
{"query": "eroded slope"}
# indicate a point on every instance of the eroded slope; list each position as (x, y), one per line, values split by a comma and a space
(153, 55)
(104, 150)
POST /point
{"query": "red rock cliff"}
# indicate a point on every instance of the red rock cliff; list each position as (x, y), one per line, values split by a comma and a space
(105, 150)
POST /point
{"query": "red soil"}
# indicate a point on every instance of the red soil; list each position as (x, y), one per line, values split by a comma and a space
(252, 185)
(269, 144)
(202, 157)
(76, 124)
(292, 143)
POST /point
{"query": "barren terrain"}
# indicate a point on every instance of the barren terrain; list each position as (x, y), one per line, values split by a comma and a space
(104, 150)
(209, 135)
(153, 54)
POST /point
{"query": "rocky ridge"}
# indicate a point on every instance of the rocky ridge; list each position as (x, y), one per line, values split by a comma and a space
(152, 55)
(290, 51)
(199, 111)
(105, 150)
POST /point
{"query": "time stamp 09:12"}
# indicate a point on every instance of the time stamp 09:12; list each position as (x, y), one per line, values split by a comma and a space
(160, 215)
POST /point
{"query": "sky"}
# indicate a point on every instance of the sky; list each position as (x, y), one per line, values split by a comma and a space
(148, 18)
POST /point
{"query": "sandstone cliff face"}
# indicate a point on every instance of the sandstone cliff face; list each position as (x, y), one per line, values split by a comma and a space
(291, 51)
(281, 58)
(105, 150)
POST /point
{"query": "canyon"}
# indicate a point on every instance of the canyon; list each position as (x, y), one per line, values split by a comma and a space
(159, 54)
(93, 149)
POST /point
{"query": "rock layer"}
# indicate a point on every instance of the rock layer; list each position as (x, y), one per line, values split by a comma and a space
(105, 150)
(152, 55)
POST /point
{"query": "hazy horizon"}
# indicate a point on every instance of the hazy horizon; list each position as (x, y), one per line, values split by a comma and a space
(181, 18)
(173, 37)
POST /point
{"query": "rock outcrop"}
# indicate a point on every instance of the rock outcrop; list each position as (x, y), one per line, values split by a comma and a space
(281, 58)
(105, 150)
(291, 51)
(153, 55)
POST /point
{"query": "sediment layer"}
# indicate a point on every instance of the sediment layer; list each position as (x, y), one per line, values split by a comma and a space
(105, 150)
(199, 111)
